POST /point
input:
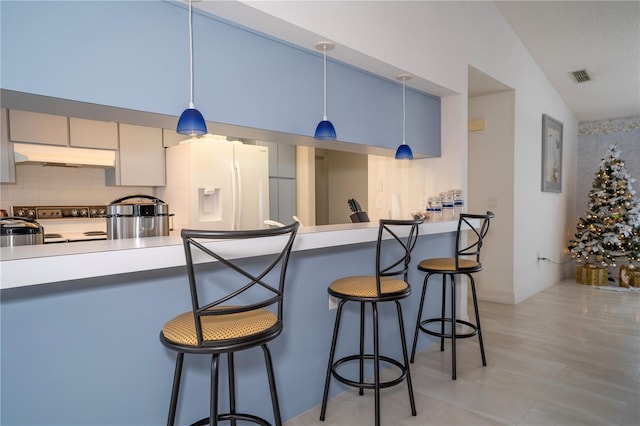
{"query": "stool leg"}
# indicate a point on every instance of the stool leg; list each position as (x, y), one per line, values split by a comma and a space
(415, 334)
(406, 359)
(475, 308)
(452, 279)
(361, 391)
(174, 391)
(332, 353)
(376, 363)
(213, 404)
(442, 315)
(272, 386)
(232, 387)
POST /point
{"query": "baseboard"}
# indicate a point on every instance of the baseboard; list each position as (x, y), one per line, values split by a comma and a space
(504, 297)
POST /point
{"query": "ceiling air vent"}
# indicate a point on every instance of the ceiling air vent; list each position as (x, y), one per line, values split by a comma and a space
(580, 76)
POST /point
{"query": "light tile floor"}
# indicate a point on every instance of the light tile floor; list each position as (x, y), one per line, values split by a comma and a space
(569, 355)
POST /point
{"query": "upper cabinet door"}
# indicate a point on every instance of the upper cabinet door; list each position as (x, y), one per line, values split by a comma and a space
(172, 138)
(140, 157)
(38, 128)
(7, 164)
(93, 134)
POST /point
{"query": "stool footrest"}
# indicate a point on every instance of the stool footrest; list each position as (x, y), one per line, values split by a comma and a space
(368, 385)
(473, 332)
(235, 416)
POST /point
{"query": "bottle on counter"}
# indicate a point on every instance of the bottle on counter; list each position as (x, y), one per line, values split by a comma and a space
(458, 201)
(434, 208)
(447, 205)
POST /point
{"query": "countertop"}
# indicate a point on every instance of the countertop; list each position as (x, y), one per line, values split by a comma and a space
(39, 264)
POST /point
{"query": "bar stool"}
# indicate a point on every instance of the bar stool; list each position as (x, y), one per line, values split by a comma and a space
(378, 288)
(452, 267)
(227, 325)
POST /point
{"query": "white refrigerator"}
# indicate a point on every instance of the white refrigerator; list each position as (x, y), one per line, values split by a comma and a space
(213, 184)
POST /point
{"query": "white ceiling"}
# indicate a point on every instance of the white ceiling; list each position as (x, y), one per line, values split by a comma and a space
(601, 37)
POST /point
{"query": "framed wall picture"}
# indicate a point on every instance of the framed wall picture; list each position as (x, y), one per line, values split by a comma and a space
(551, 154)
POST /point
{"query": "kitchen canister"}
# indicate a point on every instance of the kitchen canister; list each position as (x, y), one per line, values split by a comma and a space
(434, 208)
(458, 201)
(447, 205)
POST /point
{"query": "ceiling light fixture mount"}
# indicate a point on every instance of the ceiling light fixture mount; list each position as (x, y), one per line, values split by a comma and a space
(191, 121)
(325, 129)
(404, 151)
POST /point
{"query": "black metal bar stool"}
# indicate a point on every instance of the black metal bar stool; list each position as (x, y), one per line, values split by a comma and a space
(452, 267)
(393, 255)
(230, 323)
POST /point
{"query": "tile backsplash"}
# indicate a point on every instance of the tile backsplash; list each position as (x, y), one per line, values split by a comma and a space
(47, 185)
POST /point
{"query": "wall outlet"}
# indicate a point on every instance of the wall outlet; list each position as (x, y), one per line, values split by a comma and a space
(333, 302)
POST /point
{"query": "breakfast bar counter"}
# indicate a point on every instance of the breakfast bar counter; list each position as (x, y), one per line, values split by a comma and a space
(48, 263)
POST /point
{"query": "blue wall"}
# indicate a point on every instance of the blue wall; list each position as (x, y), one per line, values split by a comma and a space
(88, 353)
(134, 54)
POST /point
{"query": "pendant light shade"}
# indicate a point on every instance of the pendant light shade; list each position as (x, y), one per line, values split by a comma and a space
(404, 151)
(325, 129)
(191, 121)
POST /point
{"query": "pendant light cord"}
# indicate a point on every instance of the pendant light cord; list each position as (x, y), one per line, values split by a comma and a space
(191, 105)
(403, 111)
(325, 82)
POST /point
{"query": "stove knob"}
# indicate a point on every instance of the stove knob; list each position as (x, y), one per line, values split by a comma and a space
(20, 213)
(31, 213)
(84, 213)
(102, 212)
(74, 212)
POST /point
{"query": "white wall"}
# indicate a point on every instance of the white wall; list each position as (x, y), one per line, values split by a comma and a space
(437, 41)
(542, 221)
(491, 187)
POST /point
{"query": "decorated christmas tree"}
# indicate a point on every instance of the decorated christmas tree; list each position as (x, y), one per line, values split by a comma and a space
(610, 230)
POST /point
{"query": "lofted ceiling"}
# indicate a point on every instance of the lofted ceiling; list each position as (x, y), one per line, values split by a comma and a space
(600, 37)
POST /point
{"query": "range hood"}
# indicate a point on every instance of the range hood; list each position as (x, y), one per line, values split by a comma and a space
(63, 156)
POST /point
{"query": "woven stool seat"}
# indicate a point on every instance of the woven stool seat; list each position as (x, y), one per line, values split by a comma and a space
(364, 286)
(448, 264)
(181, 330)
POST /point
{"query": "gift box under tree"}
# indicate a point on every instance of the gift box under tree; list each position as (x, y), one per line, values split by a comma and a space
(591, 275)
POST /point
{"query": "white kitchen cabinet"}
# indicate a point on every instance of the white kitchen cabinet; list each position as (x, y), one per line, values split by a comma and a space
(282, 181)
(7, 164)
(286, 161)
(33, 127)
(140, 160)
(172, 138)
(93, 134)
(286, 200)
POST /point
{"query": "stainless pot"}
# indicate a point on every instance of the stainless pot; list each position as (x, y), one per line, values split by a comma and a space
(137, 216)
(20, 231)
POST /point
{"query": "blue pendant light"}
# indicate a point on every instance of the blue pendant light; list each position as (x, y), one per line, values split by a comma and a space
(325, 129)
(191, 122)
(404, 151)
